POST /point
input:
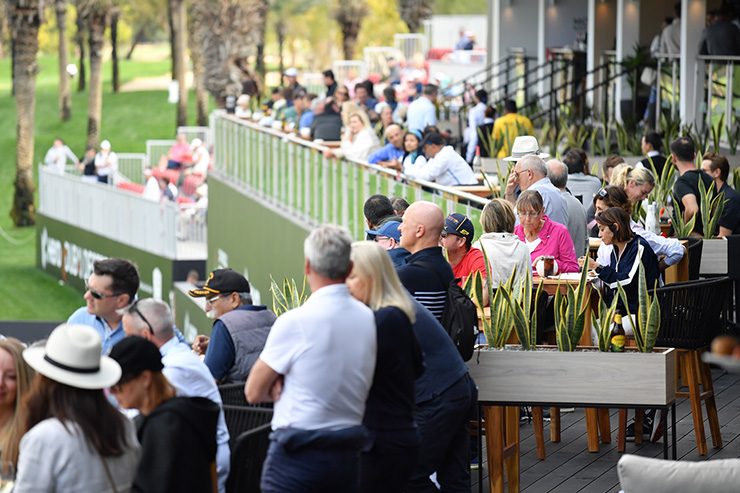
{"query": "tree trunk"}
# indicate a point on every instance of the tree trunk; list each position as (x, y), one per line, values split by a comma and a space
(137, 39)
(115, 15)
(26, 44)
(65, 99)
(201, 94)
(350, 32)
(280, 28)
(80, 39)
(97, 22)
(179, 47)
(261, 9)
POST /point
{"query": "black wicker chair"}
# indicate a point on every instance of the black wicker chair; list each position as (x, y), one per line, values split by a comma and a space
(692, 313)
(244, 418)
(232, 394)
(247, 456)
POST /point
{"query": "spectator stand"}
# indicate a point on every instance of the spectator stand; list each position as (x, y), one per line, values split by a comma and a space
(314, 83)
(155, 149)
(376, 59)
(411, 45)
(202, 133)
(341, 69)
(131, 167)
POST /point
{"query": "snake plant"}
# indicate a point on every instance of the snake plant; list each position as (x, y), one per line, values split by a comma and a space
(500, 320)
(711, 206)
(287, 297)
(682, 229)
(602, 324)
(570, 314)
(664, 183)
(646, 325)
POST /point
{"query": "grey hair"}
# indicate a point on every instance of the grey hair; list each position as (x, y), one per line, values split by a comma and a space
(316, 102)
(534, 163)
(157, 313)
(327, 250)
(246, 298)
(559, 178)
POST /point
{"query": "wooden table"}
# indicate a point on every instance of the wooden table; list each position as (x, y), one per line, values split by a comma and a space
(479, 190)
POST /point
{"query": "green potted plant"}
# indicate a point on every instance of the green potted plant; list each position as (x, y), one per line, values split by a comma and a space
(714, 250)
(287, 296)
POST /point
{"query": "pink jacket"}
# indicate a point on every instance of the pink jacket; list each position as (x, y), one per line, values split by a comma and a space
(556, 241)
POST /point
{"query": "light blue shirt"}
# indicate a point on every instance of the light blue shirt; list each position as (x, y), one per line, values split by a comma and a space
(421, 113)
(306, 119)
(388, 152)
(191, 378)
(109, 336)
(555, 207)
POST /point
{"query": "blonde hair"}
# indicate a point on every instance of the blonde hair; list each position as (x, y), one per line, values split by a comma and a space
(623, 173)
(348, 109)
(498, 217)
(371, 262)
(12, 431)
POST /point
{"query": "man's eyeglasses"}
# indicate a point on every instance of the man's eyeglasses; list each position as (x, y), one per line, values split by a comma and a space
(210, 301)
(517, 173)
(528, 214)
(141, 316)
(100, 296)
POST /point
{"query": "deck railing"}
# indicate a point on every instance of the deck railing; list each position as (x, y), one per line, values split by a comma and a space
(292, 176)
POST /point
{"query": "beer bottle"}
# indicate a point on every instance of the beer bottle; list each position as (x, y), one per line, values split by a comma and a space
(617, 336)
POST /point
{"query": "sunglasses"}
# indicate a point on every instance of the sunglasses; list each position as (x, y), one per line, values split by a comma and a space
(445, 234)
(141, 316)
(100, 296)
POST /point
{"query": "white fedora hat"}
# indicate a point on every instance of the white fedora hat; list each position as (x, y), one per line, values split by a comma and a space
(72, 357)
(523, 145)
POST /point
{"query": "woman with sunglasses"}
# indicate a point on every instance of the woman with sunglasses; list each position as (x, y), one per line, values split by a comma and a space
(75, 439)
(387, 463)
(669, 250)
(177, 434)
(543, 236)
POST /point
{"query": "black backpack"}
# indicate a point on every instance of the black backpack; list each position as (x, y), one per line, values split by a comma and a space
(460, 316)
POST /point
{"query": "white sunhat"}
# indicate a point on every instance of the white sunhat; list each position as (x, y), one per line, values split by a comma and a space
(524, 145)
(105, 145)
(72, 357)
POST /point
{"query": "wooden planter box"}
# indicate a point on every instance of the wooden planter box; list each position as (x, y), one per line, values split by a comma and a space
(714, 256)
(580, 377)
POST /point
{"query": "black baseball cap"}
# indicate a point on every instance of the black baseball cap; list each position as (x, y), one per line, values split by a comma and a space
(136, 354)
(222, 281)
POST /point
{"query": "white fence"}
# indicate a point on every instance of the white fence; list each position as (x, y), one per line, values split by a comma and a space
(411, 45)
(116, 214)
(292, 176)
(131, 166)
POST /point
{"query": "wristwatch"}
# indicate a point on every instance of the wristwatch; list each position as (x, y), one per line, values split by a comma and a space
(598, 269)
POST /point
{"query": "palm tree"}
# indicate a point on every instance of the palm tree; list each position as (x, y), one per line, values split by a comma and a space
(114, 17)
(98, 18)
(349, 14)
(196, 54)
(178, 28)
(65, 100)
(24, 19)
(260, 11)
(81, 23)
(413, 12)
(227, 31)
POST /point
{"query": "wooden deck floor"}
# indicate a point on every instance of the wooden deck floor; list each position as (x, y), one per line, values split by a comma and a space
(570, 468)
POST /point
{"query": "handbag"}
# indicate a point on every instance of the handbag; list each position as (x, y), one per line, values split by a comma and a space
(648, 76)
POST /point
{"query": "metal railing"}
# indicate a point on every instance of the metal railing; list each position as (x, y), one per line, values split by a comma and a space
(411, 45)
(720, 81)
(131, 167)
(342, 68)
(292, 176)
(122, 216)
(203, 133)
(155, 149)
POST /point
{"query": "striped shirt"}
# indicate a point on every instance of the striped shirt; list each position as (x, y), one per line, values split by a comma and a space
(423, 282)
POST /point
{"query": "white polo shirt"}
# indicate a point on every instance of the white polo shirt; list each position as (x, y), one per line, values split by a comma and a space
(326, 350)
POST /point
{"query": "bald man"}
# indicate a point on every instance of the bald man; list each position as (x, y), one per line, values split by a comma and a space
(391, 154)
(427, 274)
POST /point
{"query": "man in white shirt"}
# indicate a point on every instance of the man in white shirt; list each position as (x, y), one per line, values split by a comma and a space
(444, 165)
(56, 157)
(201, 159)
(152, 320)
(106, 163)
(317, 366)
(476, 118)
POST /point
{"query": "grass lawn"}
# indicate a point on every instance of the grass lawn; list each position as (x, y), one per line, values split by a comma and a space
(129, 119)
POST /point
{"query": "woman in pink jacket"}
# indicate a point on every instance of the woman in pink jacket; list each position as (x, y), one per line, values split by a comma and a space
(543, 236)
